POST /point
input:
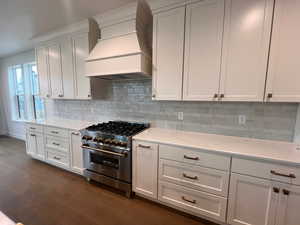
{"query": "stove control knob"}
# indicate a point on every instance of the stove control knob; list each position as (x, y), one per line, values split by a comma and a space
(88, 138)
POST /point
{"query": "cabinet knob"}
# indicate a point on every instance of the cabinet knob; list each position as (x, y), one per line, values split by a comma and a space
(153, 96)
(215, 95)
(89, 96)
(276, 190)
(222, 95)
(286, 192)
(48, 96)
(270, 95)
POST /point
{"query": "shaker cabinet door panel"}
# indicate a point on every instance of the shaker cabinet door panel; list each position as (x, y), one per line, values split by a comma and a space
(203, 45)
(168, 47)
(252, 201)
(55, 71)
(245, 49)
(67, 69)
(76, 153)
(81, 51)
(43, 72)
(283, 77)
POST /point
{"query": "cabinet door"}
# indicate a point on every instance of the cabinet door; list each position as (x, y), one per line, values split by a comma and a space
(76, 153)
(31, 144)
(81, 51)
(145, 168)
(245, 49)
(283, 77)
(203, 45)
(288, 209)
(40, 147)
(168, 44)
(67, 68)
(55, 72)
(43, 73)
(252, 201)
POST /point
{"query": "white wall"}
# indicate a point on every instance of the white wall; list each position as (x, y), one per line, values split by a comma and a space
(14, 128)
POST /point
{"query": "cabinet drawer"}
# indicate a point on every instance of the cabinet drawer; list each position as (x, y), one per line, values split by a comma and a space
(195, 157)
(196, 202)
(200, 178)
(34, 127)
(57, 143)
(57, 158)
(267, 170)
(56, 132)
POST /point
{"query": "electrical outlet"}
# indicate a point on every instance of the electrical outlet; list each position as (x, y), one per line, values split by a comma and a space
(242, 119)
(180, 115)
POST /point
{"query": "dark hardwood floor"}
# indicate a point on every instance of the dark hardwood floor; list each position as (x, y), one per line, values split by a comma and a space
(35, 193)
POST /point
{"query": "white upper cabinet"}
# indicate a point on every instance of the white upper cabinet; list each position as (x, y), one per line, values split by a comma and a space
(168, 45)
(55, 72)
(81, 51)
(203, 45)
(67, 68)
(247, 32)
(42, 66)
(283, 77)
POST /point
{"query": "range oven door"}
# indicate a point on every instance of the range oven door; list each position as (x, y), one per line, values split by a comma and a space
(108, 163)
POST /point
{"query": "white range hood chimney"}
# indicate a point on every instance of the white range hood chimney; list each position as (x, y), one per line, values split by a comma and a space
(125, 56)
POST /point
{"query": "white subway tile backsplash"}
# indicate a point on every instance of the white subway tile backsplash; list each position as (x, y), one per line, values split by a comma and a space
(131, 100)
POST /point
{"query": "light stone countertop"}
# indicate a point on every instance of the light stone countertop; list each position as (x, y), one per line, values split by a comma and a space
(281, 152)
(64, 123)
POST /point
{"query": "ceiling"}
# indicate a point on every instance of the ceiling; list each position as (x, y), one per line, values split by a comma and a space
(21, 20)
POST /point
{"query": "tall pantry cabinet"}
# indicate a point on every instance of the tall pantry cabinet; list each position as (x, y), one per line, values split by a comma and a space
(61, 64)
(225, 48)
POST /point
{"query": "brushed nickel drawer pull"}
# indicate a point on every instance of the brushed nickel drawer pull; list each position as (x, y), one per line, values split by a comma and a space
(32, 135)
(293, 176)
(32, 128)
(190, 201)
(276, 190)
(144, 146)
(54, 143)
(191, 158)
(286, 192)
(75, 133)
(57, 158)
(54, 132)
(189, 177)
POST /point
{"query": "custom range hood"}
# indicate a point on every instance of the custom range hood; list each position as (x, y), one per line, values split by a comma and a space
(127, 55)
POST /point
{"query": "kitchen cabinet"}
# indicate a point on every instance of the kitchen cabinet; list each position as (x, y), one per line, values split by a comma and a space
(168, 45)
(246, 41)
(252, 201)
(283, 76)
(61, 63)
(288, 206)
(203, 46)
(55, 72)
(81, 51)
(76, 152)
(43, 72)
(145, 167)
(35, 145)
(226, 47)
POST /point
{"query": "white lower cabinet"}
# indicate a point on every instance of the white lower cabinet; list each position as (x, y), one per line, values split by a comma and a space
(252, 201)
(35, 145)
(197, 202)
(56, 146)
(145, 166)
(76, 152)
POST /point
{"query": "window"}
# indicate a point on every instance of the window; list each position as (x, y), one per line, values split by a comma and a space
(24, 89)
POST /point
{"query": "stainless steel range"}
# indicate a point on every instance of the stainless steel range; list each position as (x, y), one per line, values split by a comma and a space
(107, 153)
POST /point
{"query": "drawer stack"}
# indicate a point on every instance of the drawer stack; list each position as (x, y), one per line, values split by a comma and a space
(57, 146)
(194, 180)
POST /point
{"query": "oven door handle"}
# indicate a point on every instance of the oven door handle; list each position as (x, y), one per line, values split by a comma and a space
(104, 151)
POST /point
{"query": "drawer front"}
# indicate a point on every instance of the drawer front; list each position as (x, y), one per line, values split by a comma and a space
(57, 158)
(59, 144)
(195, 157)
(56, 132)
(34, 128)
(196, 177)
(196, 202)
(286, 174)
